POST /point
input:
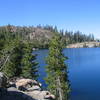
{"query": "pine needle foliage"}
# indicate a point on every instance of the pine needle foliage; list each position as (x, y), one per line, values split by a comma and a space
(57, 71)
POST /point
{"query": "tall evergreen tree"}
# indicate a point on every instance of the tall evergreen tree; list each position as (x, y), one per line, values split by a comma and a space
(29, 65)
(57, 71)
(12, 51)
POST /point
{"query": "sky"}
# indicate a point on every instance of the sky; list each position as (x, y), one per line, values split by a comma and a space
(73, 15)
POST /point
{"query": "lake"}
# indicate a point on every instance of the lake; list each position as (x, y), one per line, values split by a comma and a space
(84, 72)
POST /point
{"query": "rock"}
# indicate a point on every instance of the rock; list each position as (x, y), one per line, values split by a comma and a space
(25, 89)
(34, 94)
(41, 95)
(24, 84)
(12, 89)
(33, 88)
(50, 97)
(47, 95)
(3, 80)
(14, 94)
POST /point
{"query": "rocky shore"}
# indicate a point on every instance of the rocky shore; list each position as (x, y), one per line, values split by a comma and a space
(84, 45)
(22, 89)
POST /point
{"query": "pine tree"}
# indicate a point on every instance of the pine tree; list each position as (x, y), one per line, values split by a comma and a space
(29, 65)
(12, 67)
(57, 71)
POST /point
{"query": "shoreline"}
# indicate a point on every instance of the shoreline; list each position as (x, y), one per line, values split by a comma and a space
(84, 45)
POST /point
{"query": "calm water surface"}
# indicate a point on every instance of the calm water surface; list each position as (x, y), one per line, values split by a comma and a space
(84, 71)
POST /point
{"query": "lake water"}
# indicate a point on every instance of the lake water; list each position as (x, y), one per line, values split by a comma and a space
(84, 71)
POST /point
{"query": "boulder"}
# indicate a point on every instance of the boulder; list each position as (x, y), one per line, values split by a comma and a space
(14, 94)
(11, 89)
(41, 95)
(33, 88)
(47, 95)
(3, 80)
(24, 84)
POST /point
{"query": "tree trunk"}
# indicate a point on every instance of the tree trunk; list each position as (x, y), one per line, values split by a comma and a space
(59, 89)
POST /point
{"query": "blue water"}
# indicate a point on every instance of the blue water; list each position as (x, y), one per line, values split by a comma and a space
(84, 72)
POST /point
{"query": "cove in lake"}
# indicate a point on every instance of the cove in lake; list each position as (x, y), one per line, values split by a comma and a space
(84, 71)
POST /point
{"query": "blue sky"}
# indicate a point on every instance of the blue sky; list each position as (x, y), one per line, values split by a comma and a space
(73, 15)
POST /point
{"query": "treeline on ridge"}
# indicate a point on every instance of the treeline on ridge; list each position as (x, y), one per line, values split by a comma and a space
(41, 35)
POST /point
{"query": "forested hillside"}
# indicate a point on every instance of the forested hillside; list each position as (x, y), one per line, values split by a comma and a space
(18, 41)
(40, 35)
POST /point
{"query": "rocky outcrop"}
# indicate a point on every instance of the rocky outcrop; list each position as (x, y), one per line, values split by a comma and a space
(41, 95)
(33, 89)
(27, 84)
(24, 89)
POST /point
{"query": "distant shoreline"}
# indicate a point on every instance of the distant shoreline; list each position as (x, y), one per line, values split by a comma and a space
(84, 45)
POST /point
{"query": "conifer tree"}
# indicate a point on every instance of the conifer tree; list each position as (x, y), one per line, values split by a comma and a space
(12, 67)
(29, 65)
(57, 71)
